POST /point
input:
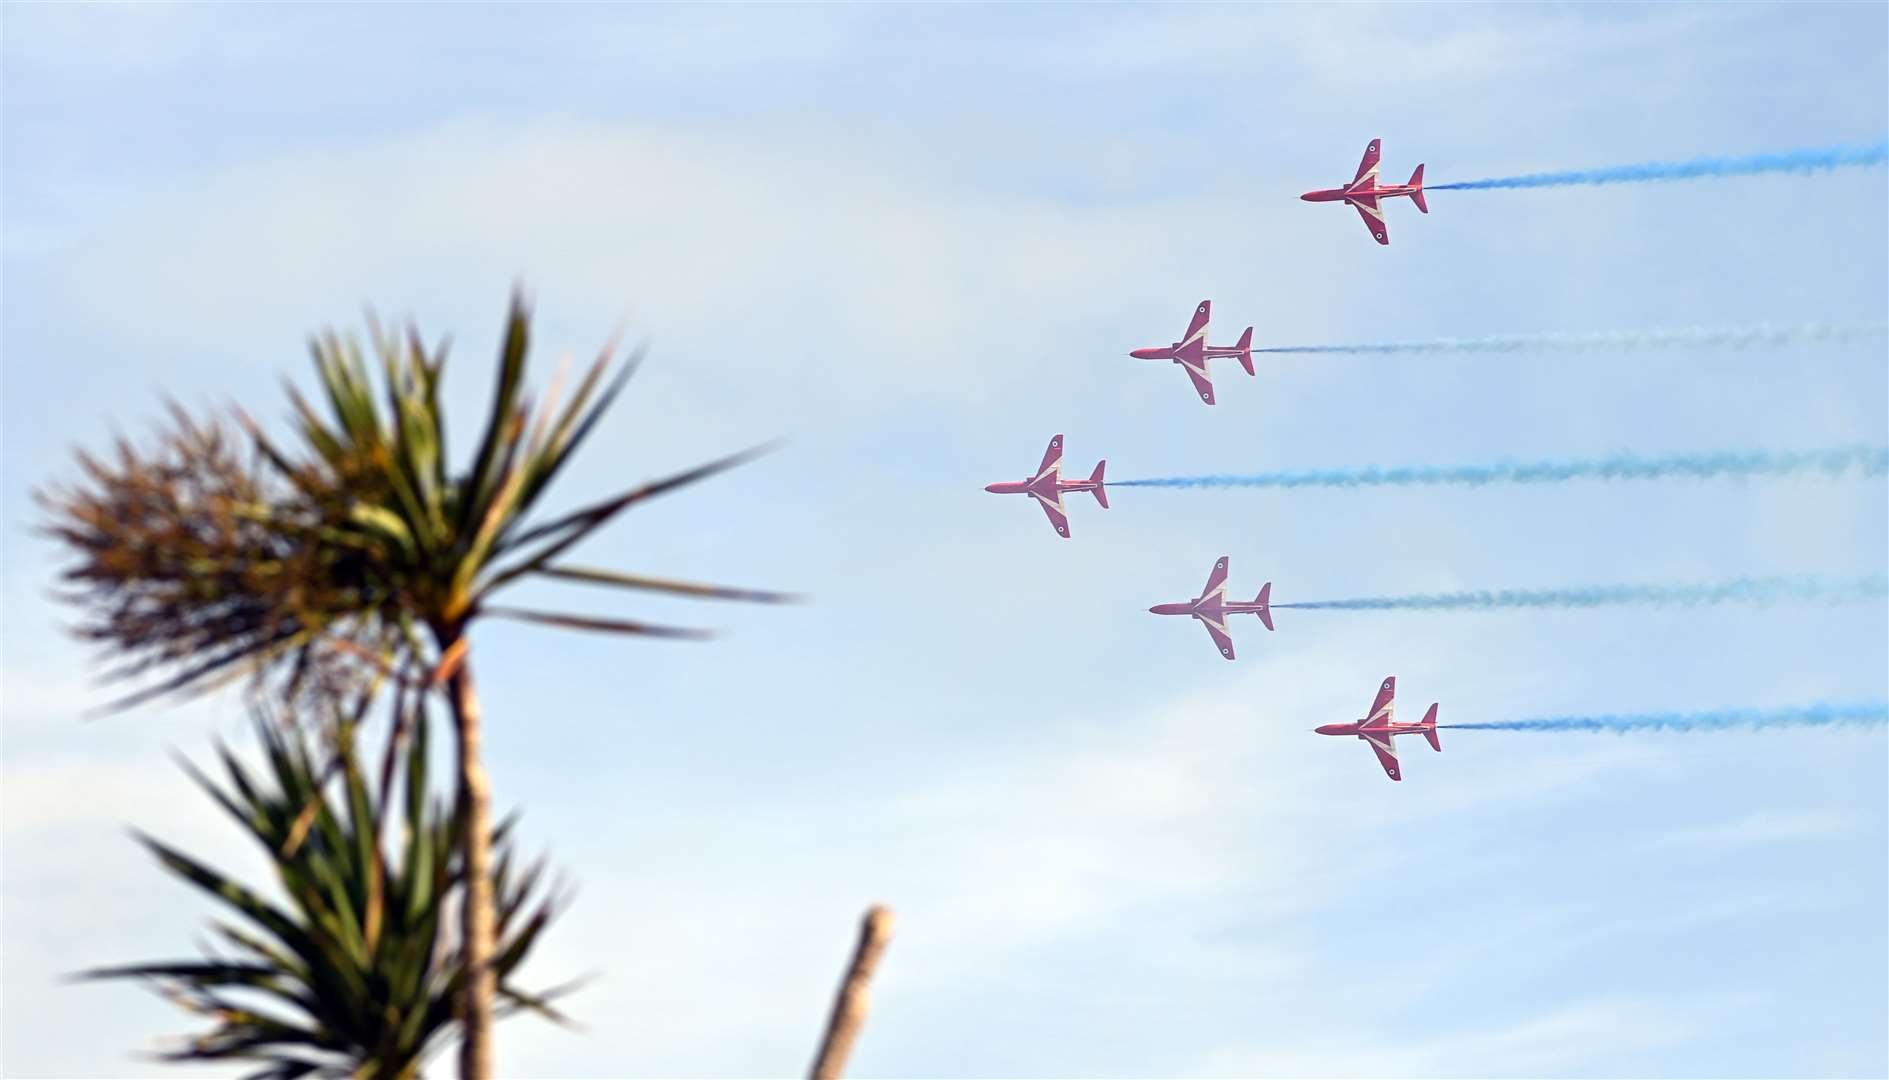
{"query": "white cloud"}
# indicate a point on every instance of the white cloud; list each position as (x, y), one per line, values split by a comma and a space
(700, 233)
(1185, 842)
(1567, 1040)
(79, 892)
(1756, 828)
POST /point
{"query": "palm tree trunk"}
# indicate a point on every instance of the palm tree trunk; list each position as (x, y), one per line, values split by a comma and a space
(475, 795)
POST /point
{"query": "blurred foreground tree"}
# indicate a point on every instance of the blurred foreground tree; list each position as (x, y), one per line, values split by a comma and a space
(358, 974)
(359, 553)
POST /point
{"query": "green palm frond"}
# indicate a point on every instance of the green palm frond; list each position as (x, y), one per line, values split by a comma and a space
(198, 563)
(355, 972)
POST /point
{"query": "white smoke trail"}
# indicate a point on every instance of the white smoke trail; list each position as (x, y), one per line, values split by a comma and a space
(1839, 461)
(1767, 590)
(1734, 337)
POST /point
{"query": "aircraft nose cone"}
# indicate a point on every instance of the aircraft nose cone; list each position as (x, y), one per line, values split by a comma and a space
(1307, 197)
(992, 488)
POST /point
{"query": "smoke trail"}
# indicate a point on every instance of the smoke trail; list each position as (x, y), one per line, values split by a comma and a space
(1761, 335)
(1858, 714)
(1768, 590)
(1791, 161)
(1866, 460)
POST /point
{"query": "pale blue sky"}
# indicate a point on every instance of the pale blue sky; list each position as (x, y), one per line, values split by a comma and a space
(918, 241)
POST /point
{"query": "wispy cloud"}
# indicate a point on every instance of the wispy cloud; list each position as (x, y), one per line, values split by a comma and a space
(1566, 1040)
(1756, 829)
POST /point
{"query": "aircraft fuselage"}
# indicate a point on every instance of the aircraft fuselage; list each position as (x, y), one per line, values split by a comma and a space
(1364, 730)
(1173, 352)
(1046, 486)
(1349, 194)
(1210, 610)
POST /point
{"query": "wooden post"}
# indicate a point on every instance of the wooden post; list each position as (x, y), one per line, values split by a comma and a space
(849, 1007)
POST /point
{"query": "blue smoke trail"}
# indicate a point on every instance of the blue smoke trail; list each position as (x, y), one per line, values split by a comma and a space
(1790, 161)
(1866, 460)
(1858, 714)
(1693, 337)
(1768, 590)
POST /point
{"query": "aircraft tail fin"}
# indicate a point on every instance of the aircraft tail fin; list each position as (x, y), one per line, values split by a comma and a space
(1264, 600)
(1429, 728)
(1245, 345)
(1416, 181)
(1101, 494)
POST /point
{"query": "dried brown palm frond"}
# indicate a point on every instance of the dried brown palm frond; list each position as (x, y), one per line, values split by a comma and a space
(192, 561)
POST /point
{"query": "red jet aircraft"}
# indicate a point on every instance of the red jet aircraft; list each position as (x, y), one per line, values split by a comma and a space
(1364, 193)
(1048, 485)
(1378, 730)
(1192, 352)
(1211, 607)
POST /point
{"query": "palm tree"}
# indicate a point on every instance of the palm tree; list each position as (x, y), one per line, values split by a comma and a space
(361, 553)
(356, 976)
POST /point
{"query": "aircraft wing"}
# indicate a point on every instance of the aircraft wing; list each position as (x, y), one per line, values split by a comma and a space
(1198, 327)
(1197, 371)
(1052, 457)
(1055, 512)
(1386, 755)
(1218, 632)
(1216, 581)
(1367, 169)
(1373, 216)
(1193, 344)
(1384, 703)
